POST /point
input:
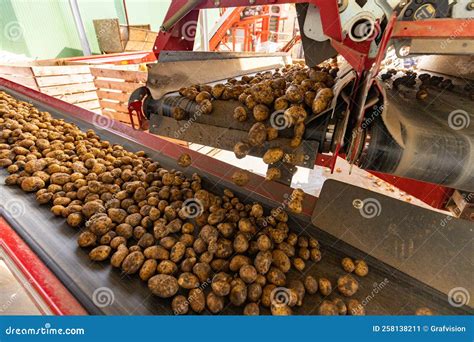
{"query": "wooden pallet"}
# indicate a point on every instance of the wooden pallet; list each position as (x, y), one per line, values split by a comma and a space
(114, 85)
(71, 83)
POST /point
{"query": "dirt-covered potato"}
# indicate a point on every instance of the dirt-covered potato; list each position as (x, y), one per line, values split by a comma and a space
(214, 303)
(180, 305)
(217, 90)
(263, 261)
(294, 94)
(276, 276)
(188, 281)
(327, 308)
(205, 106)
(281, 260)
(238, 294)
(273, 155)
(197, 300)
(148, 269)
(273, 173)
(348, 265)
(163, 286)
(355, 308)
(298, 135)
(347, 285)
(361, 268)
(252, 309)
(178, 113)
(132, 263)
(322, 100)
(295, 204)
(203, 95)
(295, 114)
(340, 305)
(31, 184)
(184, 160)
(257, 134)
(100, 253)
(241, 149)
(261, 112)
(240, 114)
(240, 177)
(272, 133)
(325, 287)
(424, 312)
(310, 284)
(86, 239)
(248, 273)
(281, 310)
(167, 267)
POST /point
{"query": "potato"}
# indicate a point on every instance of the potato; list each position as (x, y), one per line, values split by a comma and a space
(361, 268)
(178, 113)
(340, 305)
(276, 276)
(240, 177)
(217, 90)
(238, 261)
(347, 285)
(74, 219)
(203, 95)
(327, 308)
(197, 300)
(177, 251)
(299, 264)
(252, 309)
(261, 112)
(202, 271)
(99, 224)
(220, 286)
(263, 261)
(281, 103)
(325, 287)
(188, 281)
(322, 100)
(355, 308)
(310, 284)
(60, 178)
(31, 184)
(315, 255)
(273, 155)
(294, 94)
(424, 312)
(248, 273)
(100, 253)
(184, 160)
(295, 204)
(148, 269)
(298, 287)
(272, 133)
(163, 286)
(281, 310)
(348, 265)
(214, 303)
(257, 134)
(132, 263)
(273, 173)
(240, 114)
(298, 135)
(180, 305)
(205, 106)
(281, 260)
(167, 267)
(86, 239)
(295, 114)
(238, 294)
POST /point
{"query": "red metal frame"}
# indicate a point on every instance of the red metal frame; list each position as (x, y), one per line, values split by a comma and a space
(51, 290)
(434, 28)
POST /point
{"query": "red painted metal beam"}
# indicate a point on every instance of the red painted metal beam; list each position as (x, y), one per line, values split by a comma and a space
(51, 290)
(434, 28)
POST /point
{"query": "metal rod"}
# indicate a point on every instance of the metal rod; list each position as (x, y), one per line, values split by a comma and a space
(126, 13)
(86, 50)
(179, 15)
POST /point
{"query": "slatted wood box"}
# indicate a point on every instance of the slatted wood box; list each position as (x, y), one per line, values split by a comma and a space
(114, 85)
(70, 83)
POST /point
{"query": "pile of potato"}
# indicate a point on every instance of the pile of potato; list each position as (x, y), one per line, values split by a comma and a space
(293, 94)
(201, 249)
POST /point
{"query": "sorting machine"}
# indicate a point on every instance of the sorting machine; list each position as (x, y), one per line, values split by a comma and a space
(418, 257)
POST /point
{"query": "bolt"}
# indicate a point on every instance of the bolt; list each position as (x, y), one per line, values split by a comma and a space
(251, 2)
(470, 6)
(217, 3)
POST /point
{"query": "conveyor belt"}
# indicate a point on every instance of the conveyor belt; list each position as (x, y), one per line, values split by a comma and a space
(384, 290)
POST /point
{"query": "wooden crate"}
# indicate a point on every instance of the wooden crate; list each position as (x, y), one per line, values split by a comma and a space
(73, 84)
(114, 85)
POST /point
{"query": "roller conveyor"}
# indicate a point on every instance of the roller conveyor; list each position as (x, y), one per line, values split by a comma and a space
(55, 242)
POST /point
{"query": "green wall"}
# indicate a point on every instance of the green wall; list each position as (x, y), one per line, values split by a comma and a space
(43, 29)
